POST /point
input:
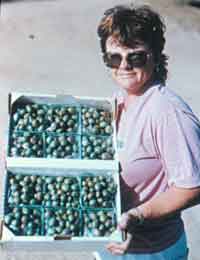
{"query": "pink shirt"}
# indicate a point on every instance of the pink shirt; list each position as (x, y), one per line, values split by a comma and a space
(158, 145)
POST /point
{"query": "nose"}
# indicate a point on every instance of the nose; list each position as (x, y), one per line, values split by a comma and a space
(124, 65)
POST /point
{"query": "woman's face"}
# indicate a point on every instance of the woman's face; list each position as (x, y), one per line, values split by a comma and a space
(133, 79)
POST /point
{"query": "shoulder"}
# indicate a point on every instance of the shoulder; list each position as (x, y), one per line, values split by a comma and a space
(166, 102)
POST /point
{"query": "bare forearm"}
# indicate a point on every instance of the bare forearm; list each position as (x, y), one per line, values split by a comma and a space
(169, 202)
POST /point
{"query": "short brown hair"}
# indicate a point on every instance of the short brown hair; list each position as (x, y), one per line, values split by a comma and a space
(136, 25)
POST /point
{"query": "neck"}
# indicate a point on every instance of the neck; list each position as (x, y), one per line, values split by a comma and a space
(131, 97)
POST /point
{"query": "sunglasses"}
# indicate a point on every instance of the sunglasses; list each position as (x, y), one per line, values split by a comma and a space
(137, 59)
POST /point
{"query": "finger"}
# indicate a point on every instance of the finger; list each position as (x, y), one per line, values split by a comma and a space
(117, 252)
(111, 245)
(121, 246)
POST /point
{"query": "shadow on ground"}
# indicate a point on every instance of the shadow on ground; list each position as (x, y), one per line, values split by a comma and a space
(193, 3)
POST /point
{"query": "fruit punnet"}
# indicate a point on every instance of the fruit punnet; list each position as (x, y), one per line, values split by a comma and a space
(97, 147)
(62, 222)
(96, 121)
(98, 192)
(62, 119)
(25, 144)
(62, 192)
(24, 221)
(25, 190)
(99, 223)
(30, 118)
(62, 146)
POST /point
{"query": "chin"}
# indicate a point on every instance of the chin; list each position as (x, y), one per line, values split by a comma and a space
(129, 88)
(131, 91)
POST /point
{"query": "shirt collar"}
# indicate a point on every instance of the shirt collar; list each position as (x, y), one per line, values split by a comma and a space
(120, 94)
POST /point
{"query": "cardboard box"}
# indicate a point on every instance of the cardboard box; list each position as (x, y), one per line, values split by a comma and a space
(9, 239)
(60, 167)
(16, 99)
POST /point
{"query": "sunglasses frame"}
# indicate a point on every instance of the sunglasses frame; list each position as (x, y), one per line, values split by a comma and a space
(107, 56)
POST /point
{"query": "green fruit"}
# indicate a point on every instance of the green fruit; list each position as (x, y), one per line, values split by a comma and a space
(50, 231)
(8, 219)
(96, 232)
(92, 203)
(65, 187)
(52, 222)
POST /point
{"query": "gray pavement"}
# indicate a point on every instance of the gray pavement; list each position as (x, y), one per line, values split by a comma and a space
(52, 47)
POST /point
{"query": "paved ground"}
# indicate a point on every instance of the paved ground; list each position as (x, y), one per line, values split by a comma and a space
(52, 47)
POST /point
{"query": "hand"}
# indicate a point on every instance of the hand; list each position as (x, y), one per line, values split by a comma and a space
(121, 248)
(131, 218)
(128, 220)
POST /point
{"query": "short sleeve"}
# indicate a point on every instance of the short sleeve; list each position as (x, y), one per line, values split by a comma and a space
(178, 140)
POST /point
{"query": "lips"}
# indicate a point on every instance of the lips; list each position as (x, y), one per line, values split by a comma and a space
(126, 75)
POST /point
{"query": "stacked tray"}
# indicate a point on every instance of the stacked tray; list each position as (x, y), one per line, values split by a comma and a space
(61, 205)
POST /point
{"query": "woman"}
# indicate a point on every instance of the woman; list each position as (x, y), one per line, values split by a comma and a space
(158, 138)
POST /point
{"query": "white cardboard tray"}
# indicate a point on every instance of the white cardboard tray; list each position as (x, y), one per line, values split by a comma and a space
(9, 240)
(16, 98)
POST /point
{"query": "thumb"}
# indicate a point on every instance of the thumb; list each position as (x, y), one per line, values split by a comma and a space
(123, 221)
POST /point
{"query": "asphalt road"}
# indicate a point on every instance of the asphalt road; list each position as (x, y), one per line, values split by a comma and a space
(52, 47)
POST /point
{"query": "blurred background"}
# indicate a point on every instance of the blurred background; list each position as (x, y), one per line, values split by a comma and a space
(51, 46)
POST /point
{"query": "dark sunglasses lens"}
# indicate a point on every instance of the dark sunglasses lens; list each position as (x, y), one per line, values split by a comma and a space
(137, 59)
(112, 60)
